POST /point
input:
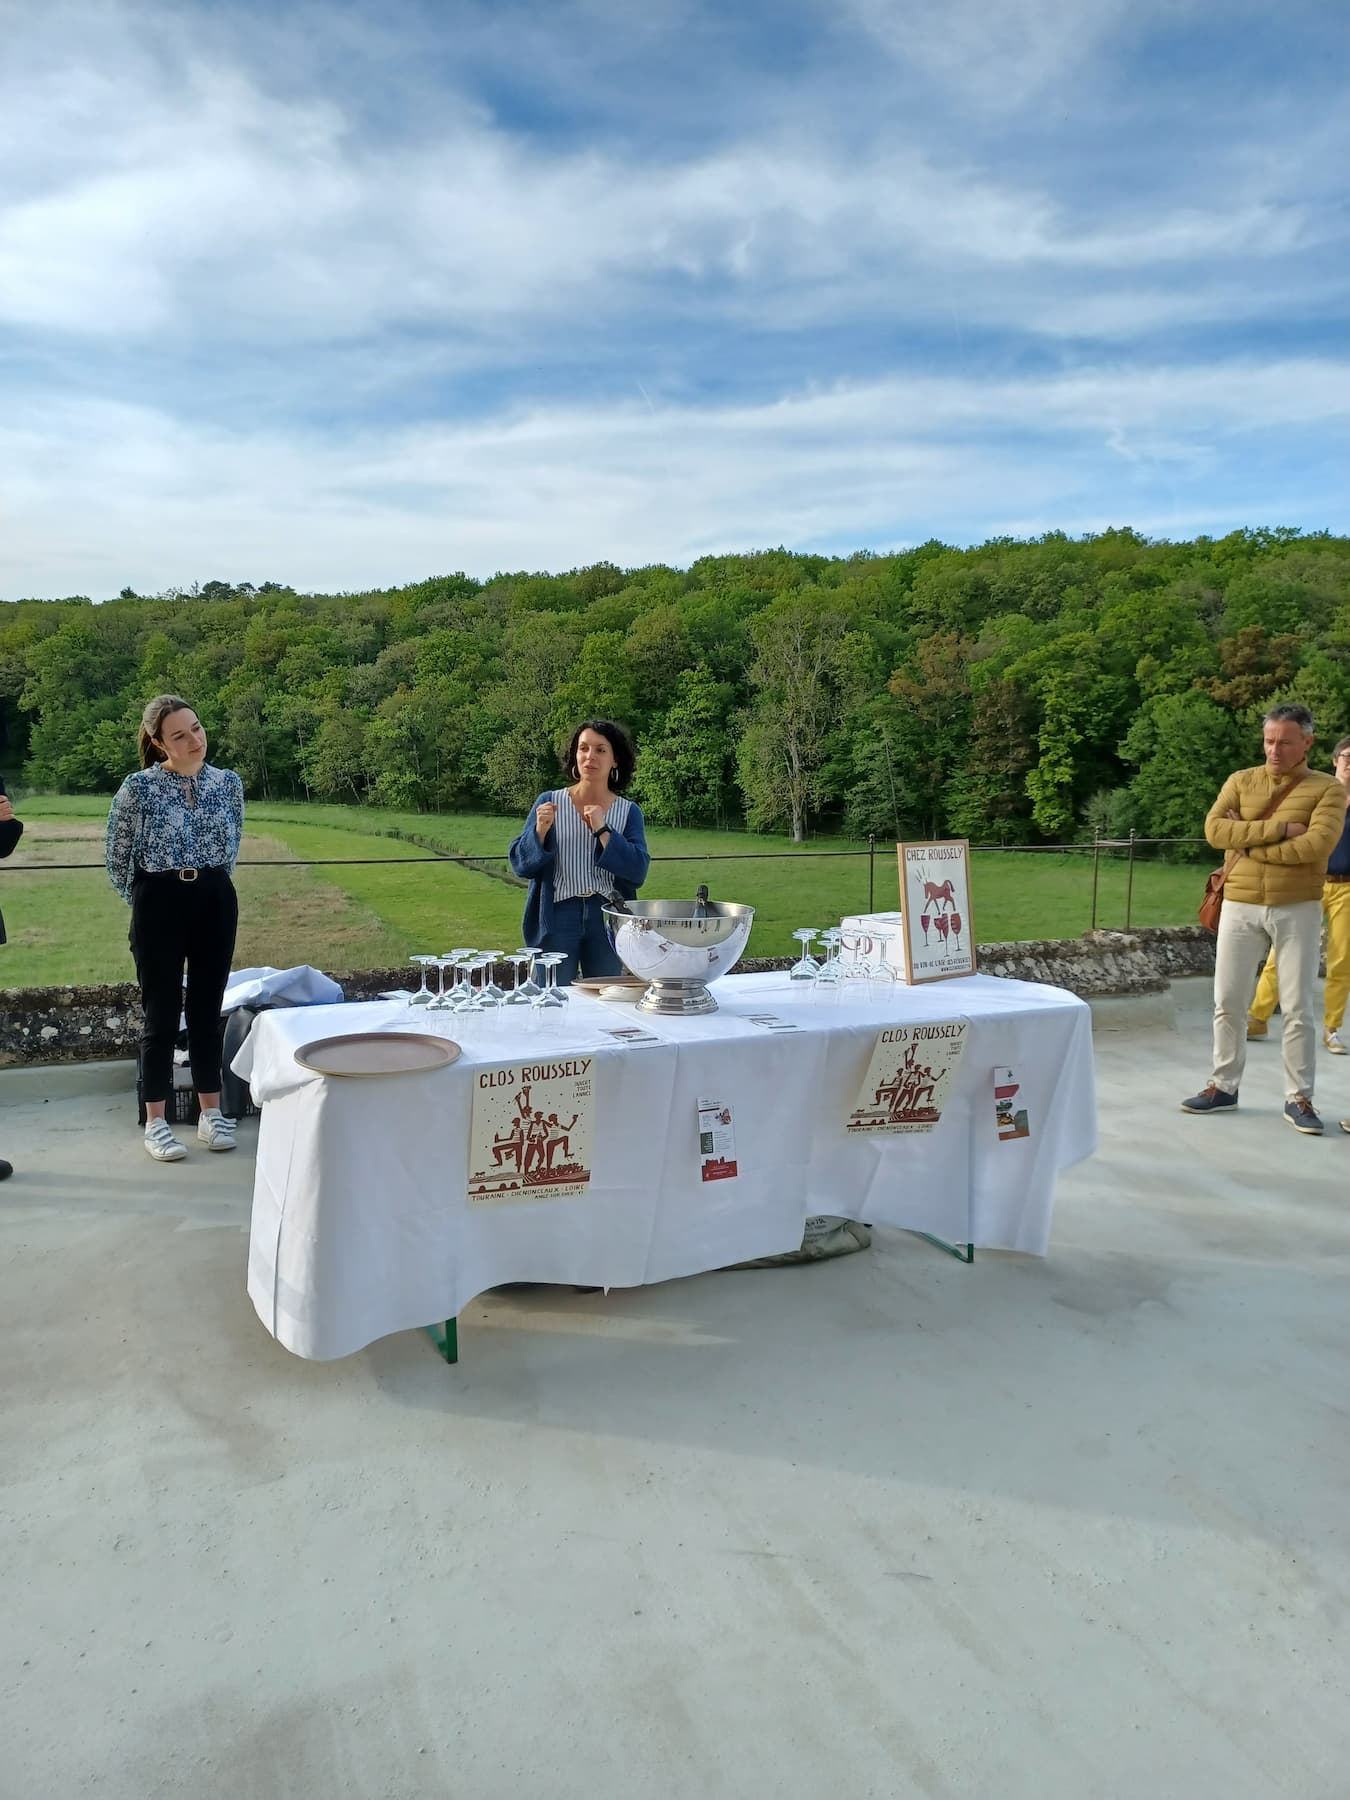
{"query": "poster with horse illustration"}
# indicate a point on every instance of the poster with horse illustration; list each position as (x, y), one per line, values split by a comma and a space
(938, 932)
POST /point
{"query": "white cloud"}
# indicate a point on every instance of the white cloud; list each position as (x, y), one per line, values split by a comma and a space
(993, 53)
(116, 493)
(183, 202)
(208, 242)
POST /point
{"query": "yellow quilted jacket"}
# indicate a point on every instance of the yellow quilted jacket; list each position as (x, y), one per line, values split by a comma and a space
(1275, 870)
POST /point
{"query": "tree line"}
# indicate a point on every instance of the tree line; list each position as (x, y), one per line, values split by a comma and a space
(1016, 692)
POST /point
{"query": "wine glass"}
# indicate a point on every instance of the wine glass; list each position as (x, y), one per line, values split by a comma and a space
(455, 997)
(529, 989)
(476, 965)
(552, 998)
(881, 978)
(925, 920)
(831, 971)
(490, 995)
(517, 960)
(859, 965)
(944, 925)
(956, 927)
(806, 968)
(423, 995)
(442, 1001)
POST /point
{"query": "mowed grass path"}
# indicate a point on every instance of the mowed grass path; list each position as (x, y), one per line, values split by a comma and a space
(69, 926)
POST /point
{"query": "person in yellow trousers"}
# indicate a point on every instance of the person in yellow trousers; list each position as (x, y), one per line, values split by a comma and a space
(1336, 913)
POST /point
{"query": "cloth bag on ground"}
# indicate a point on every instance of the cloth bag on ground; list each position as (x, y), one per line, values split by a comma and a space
(823, 1236)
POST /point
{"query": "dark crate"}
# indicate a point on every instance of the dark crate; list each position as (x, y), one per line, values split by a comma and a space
(182, 1107)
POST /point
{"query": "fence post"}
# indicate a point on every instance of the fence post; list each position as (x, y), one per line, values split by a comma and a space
(871, 872)
(1096, 860)
(1129, 884)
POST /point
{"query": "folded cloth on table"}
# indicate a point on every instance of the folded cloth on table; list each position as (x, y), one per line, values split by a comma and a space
(301, 986)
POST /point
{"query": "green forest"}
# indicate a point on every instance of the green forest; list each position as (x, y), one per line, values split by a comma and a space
(1030, 692)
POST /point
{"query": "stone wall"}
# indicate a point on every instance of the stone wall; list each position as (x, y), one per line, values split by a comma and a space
(80, 1024)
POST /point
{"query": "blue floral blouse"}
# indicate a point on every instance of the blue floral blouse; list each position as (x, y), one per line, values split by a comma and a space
(154, 825)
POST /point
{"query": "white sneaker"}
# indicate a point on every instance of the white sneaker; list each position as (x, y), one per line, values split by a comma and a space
(215, 1131)
(161, 1143)
(1332, 1040)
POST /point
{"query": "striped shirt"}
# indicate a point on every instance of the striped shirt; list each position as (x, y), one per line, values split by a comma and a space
(575, 870)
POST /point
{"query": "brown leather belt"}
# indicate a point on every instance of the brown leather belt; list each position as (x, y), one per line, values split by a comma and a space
(1338, 878)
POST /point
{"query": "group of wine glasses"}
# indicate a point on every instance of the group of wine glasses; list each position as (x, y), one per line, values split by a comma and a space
(473, 986)
(829, 973)
(946, 924)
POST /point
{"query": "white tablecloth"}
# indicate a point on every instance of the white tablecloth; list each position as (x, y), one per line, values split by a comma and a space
(361, 1224)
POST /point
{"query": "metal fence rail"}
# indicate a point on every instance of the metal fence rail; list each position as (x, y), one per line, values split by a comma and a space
(1094, 848)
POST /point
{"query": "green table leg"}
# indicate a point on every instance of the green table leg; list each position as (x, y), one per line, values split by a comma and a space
(446, 1339)
(962, 1252)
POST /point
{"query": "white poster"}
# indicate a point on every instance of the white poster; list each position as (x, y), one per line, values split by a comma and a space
(908, 1077)
(938, 931)
(530, 1131)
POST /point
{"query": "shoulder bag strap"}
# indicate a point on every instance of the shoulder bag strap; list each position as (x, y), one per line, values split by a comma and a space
(1230, 863)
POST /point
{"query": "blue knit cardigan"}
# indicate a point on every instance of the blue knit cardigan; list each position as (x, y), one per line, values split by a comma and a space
(625, 857)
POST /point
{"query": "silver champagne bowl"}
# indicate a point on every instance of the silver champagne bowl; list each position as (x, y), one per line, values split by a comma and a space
(678, 947)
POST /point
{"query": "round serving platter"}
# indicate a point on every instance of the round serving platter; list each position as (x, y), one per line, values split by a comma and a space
(377, 1053)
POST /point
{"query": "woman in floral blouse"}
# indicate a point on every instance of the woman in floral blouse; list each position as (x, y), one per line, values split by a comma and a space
(173, 836)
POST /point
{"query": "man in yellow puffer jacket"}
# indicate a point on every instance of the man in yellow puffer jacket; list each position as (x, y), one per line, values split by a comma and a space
(1336, 923)
(1272, 901)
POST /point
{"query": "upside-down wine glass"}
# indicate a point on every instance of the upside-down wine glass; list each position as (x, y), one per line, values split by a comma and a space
(492, 995)
(457, 999)
(552, 998)
(806, 968)
(859, 967)
(831, 971)
(442, 1001)
(517, 959)
(529, 989)
(473, 965)
(422, 997)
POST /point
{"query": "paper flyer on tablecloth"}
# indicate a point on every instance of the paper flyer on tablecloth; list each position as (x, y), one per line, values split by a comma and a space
(1012, 1120)
(628, 1035)
(716, 1141)
(530, 1131)
(908, 1077)
(772, 1022)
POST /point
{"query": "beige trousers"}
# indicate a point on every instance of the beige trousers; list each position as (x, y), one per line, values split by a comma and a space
(1246, 933)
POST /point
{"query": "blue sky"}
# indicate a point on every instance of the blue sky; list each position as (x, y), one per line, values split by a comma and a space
(348, 295)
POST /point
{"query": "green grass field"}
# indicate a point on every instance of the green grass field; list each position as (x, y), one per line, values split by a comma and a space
(68, 926)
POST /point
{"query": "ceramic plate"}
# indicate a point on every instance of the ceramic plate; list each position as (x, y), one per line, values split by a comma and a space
(377, 1053)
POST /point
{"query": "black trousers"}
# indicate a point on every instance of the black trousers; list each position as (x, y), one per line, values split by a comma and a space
(175, 925)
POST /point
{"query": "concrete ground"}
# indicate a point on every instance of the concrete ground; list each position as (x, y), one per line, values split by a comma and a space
(886, 1526)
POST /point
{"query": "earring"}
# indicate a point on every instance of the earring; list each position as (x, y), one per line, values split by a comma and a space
(614, 778)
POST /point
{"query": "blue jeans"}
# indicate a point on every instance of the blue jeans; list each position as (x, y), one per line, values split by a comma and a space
(579, 929)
